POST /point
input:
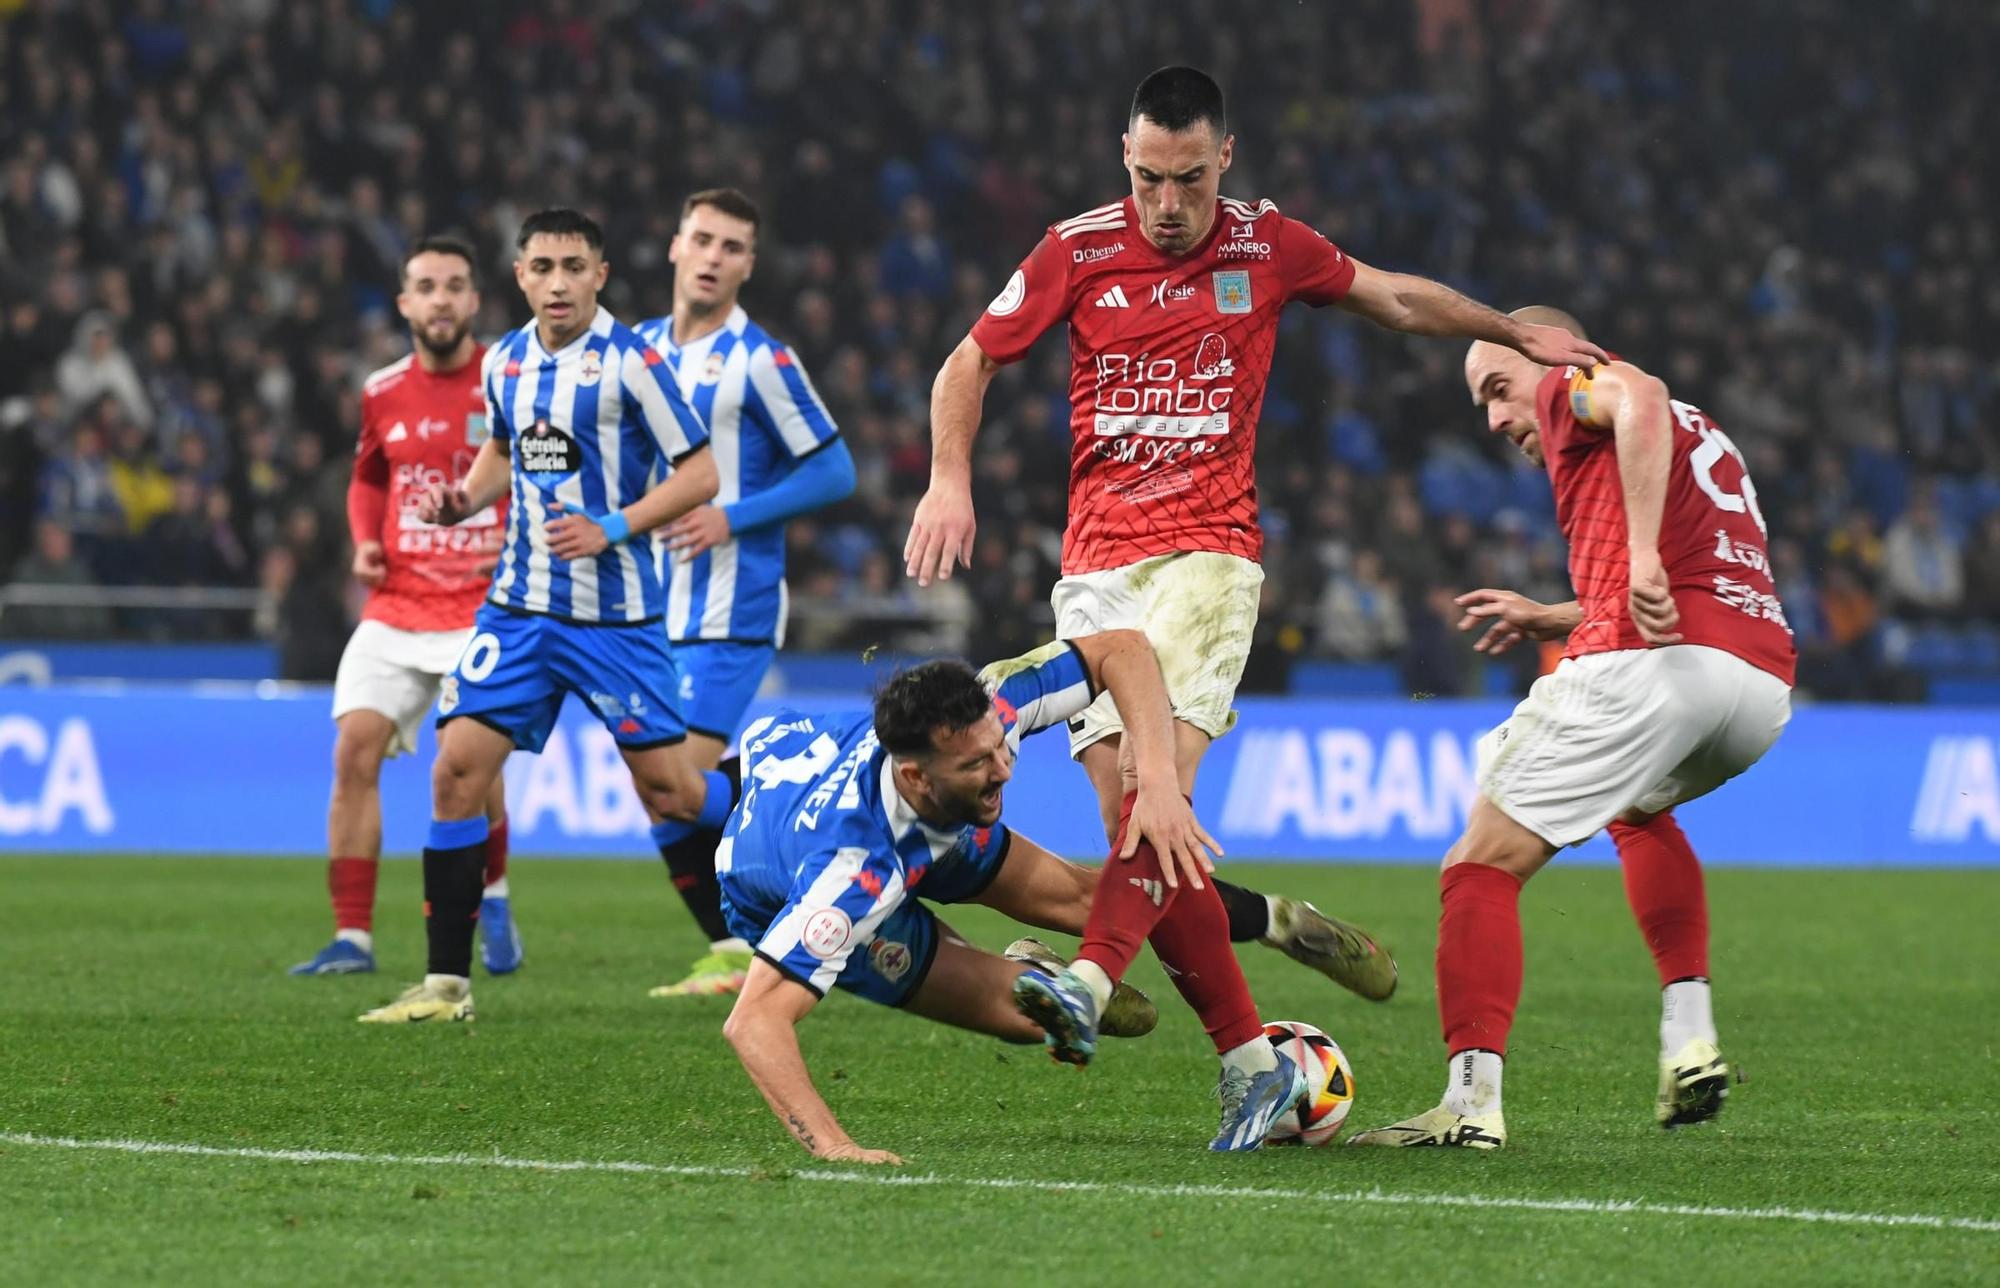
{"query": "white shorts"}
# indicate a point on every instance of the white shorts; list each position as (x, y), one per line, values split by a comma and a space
(1197, 607)
(1638, 729)
(397, 673)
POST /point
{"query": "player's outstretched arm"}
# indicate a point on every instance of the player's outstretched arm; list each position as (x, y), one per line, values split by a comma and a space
(941, 533)
(763, 1027)
(1633, 406)
(1419, 306)
(483, 484)
(1513, 618)
(1123, 662)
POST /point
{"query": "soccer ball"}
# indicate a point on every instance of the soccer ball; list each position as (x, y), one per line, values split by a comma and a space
(1331, 1081)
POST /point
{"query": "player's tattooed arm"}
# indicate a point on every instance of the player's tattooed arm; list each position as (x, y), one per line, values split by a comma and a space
(1419, 306)
(763, 1027)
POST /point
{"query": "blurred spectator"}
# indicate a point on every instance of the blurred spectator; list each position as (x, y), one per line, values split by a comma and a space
(1361, 613)
(1921, 576)
(95, 367)
(55, 562)
(1982, 572)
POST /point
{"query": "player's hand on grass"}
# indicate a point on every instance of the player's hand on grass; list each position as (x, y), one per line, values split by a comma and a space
(702, 528)
(443, 505)
(1163, 818)
(575, 536)
(1514, 618)
(371, 565)
(1651, 600)
(849, 1152)
(1554, 347)
(940, 534)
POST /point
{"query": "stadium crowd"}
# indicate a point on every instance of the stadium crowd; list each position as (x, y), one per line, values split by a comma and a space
(204, 206)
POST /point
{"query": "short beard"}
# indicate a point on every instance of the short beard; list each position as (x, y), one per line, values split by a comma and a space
(422, 338)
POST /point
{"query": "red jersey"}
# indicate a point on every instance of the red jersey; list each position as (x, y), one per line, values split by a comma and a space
(1711, 534)
(418, 428)
(1168, 358)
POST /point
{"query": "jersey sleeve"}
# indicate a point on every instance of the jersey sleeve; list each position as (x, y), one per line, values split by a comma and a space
(1315, 270)
(651, 390)
(837, 901)
(1035, 298)
(784, 403)
(1039, 689)
(368, 488)
(489, 383)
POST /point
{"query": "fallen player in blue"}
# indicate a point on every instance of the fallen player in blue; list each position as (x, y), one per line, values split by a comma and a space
(845, 818)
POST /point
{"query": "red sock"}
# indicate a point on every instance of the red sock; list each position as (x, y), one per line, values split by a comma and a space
(1192, 942)
(1663, 884)
(1478, 956)
(496, 851)
(1132, 897)
(351, 882)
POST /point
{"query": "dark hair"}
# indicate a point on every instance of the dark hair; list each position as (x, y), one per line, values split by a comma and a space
(729, 201)
(560, 221)
(942, 694)
(1178, 98)
(445, 244)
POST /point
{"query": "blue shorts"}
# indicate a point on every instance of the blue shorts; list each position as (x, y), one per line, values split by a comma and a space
(517, 667)
(718, 680)
(887, 969)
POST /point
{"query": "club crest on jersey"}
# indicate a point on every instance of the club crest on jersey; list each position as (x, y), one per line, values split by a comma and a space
(477, 431)
(447, 695)
(1232, 290)
(591, 369)
(711, 371)
(544, 449)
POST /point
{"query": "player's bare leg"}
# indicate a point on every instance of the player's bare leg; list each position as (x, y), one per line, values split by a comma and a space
(353, 842)
(1343, 952)
(972, 989)
(690, 861)
(469, 759)
(1663, 883)
(1479, 979)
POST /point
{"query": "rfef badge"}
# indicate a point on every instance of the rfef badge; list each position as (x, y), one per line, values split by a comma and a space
(1232, 291)
(476, 430)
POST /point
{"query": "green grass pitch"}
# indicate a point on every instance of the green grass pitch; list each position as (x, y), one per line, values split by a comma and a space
(145, 1001)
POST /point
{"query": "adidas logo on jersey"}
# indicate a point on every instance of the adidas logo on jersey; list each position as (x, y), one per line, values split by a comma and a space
(1114, 299)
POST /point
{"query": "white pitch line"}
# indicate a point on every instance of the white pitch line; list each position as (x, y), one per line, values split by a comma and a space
(1595, 1207)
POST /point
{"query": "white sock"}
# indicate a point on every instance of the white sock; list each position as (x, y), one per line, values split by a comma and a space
(731, 945)
(1270, 917)
(1685, 1014)
(1255, 1056)
(1094, 979)
(498, 890)
(1472, 1083)
(458, 983)
(359, 938)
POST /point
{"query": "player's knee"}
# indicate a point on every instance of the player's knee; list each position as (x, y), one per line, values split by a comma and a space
(356, 765)
(456, 789)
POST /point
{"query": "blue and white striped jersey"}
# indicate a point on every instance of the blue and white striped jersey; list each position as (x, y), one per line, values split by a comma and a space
(590, 428)
(763, 416)
(822, 847)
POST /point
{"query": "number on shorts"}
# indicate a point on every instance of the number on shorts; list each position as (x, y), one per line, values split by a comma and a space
(803, 767)
(1713, 444)
(482, 654)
